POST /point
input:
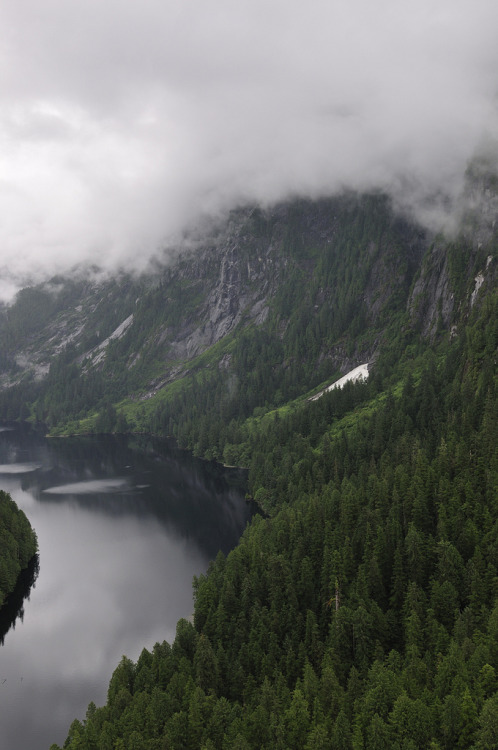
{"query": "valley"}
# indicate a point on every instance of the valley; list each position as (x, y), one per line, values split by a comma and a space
(360, 611)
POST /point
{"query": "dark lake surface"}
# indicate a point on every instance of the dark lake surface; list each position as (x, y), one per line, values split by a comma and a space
(123, 525)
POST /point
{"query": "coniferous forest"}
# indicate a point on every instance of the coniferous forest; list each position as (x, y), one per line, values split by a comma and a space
(360, 611)
(18, 544)
(364, 612)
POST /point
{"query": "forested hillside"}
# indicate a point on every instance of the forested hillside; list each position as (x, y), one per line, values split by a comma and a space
(362, 610)
(364, 613)
(275, 303)
(18, 544)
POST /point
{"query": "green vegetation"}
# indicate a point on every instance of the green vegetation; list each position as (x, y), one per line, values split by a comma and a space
(337, 275)
(18, 544)
(362, 610)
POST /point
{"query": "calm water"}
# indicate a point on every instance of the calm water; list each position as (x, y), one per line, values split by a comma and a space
(122, 525)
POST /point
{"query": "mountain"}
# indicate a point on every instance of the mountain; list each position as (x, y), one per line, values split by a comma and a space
(362, 610)
(245, 274)
(269, 306)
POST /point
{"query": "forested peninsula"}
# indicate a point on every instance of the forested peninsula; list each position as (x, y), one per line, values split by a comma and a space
(18, 544)
(361, 611)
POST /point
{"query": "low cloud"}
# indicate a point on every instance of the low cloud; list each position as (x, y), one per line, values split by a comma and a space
(122, 123)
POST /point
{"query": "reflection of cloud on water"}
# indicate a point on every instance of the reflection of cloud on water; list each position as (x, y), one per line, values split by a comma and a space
(18, 468)
(89, 487)
(6, 429)
(117, 559)
(13, 607)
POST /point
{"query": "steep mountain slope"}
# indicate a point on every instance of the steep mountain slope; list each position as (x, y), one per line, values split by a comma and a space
(362, 611)
(317, 284)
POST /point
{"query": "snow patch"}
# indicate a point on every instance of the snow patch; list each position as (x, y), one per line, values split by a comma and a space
(359, 373)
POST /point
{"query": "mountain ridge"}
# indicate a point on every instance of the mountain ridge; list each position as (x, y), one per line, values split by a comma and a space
(361, 610)
(228, 284)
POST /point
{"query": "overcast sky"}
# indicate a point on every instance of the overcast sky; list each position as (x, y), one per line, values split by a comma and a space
(120, 122)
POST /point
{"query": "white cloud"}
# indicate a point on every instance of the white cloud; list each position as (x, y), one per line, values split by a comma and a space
(120, 122)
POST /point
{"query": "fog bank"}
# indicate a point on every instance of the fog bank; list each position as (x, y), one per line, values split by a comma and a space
(122, 123)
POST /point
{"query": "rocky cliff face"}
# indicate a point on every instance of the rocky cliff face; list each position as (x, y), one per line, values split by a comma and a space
(325, 278)
(233, 277)
(198, 300)
(457, 273)
(60, 315)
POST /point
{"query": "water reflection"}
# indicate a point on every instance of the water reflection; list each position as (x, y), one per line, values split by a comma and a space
(89, 487)
(18, 468)
(13, 608)
(113, 475)
(122, 526)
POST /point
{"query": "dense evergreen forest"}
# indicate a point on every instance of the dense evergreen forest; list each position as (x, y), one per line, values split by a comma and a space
(364, 612)
(361, 611)
(18, 544)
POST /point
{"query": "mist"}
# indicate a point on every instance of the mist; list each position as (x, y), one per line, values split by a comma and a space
(122, 124)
